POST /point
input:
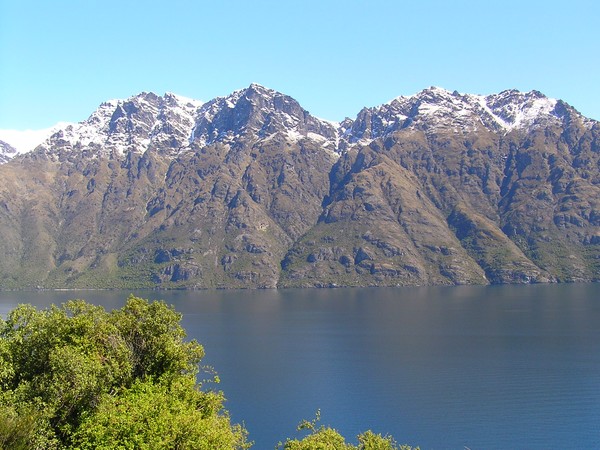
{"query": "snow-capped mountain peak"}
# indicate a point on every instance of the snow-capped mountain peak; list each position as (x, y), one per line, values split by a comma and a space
(435, 109)
(262, 112)
(171, 123)
(517, 110)
(133, 124)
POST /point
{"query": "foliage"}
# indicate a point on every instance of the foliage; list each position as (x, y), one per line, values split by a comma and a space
(326, 438)
(160, 416)
(23, 427)
(73, 376)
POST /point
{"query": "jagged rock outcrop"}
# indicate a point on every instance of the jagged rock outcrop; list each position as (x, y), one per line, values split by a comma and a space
(250, 190)
(7, 152)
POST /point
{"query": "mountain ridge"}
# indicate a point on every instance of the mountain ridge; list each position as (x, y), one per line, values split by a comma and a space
(251, 190)
(497, 112)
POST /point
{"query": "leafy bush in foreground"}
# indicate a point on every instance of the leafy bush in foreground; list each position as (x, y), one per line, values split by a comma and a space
(326, 438)
(77, 376)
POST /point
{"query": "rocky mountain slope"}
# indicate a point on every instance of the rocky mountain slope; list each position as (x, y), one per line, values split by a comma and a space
(250, 190)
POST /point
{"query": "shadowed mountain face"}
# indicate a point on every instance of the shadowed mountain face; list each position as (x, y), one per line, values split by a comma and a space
(250, 190)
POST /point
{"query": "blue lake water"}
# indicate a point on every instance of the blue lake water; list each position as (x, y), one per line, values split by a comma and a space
(445, 368)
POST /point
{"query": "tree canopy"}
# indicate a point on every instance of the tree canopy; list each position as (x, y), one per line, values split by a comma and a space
(327, 438)
(78, 376)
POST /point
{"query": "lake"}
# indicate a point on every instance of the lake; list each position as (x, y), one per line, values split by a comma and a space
(493, 367)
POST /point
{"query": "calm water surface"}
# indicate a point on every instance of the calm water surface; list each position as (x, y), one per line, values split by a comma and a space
(502, 367)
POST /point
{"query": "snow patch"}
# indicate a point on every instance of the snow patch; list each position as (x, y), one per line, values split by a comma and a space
(294, 135)
(437, 108)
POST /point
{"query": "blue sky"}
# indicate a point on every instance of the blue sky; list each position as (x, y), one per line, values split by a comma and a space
(60, 59)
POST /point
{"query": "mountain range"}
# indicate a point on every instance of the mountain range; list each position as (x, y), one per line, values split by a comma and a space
(252, 191)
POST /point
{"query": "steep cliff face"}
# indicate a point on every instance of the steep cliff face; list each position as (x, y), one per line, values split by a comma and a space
(250, 190)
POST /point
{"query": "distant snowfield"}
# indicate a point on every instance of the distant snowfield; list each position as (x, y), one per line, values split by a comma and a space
(26, 140)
